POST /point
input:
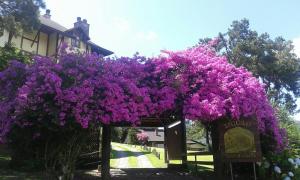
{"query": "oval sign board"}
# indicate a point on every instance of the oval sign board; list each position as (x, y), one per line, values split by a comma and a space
(239, 140)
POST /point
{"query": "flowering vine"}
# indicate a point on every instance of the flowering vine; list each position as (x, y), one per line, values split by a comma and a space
(86, 89)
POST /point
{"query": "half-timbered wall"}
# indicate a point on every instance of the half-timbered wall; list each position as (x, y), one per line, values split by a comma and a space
(41, 43)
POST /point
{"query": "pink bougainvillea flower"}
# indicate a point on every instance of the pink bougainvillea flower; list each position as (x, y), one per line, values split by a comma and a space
(84, 88)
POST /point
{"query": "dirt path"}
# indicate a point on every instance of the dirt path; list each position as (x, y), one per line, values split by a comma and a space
(143, 161)
(122, 161)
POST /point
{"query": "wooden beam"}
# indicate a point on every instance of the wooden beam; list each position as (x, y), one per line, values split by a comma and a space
(37, 35)
(218, 163)
(201, 162)
(184, 148)
(105, 152)
(38, 43)
(146, 122)
(21, 46)
(32, 40)
(56, 45)
(165, 145)
(199, 153)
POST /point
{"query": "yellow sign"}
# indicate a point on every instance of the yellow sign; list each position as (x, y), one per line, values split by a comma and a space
(239, 140)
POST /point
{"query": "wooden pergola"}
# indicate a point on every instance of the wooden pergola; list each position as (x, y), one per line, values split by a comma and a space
(175, 141)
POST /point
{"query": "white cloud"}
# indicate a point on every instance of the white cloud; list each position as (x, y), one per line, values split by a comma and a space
(148, 36)
(296, 43)
(121, 24)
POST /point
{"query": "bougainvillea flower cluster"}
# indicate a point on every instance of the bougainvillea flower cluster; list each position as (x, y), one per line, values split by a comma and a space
(142, 137)
(84, 88)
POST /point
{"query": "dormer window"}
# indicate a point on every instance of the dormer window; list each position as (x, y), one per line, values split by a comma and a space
(75, 42)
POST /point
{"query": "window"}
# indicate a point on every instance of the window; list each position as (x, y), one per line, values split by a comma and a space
(75, 43)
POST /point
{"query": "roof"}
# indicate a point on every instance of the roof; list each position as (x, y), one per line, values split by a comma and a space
(52, 24)
(57, 27)
(157, 136)
(104, 51)
(80, 29)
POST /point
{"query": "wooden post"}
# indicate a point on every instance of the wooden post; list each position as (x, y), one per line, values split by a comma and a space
(165, 145)
(218, 164)
(184, 149)
(207, 138)
(196, 168)
(105, 153)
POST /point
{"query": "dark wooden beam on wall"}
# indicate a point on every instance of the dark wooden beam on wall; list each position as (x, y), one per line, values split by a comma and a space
(38, 43)
(105, 152)
(32, 40)
(36, 36)
(21, 46)
(56, 44)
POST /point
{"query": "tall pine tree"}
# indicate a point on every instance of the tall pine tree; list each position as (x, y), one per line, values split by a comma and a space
(273, 61)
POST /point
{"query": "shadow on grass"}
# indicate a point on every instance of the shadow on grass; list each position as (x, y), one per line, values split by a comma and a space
(154, 174)
(204, 172)
(126, 153)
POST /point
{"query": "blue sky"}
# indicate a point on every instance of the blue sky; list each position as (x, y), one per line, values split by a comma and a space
(148, 26)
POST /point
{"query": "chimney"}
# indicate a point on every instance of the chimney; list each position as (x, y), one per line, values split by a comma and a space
(47, 14)
(82, 24)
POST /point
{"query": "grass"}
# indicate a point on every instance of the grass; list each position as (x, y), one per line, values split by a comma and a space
(113, 158)
(190, 158)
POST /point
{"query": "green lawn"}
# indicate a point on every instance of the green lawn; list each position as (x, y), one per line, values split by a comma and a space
(190, 158)
(113, 158)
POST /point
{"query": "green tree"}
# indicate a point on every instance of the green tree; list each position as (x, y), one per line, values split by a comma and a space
(116, 134)
(8, 53)
(18, 15)
(131, 136)
(292, 129)
(272, 61)
(195, 130)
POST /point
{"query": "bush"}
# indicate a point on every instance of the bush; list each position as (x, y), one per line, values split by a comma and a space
(8, 53)
(50, 148)
(280, 165)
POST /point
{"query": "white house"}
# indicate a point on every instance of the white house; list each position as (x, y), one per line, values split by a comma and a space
(47, 39)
